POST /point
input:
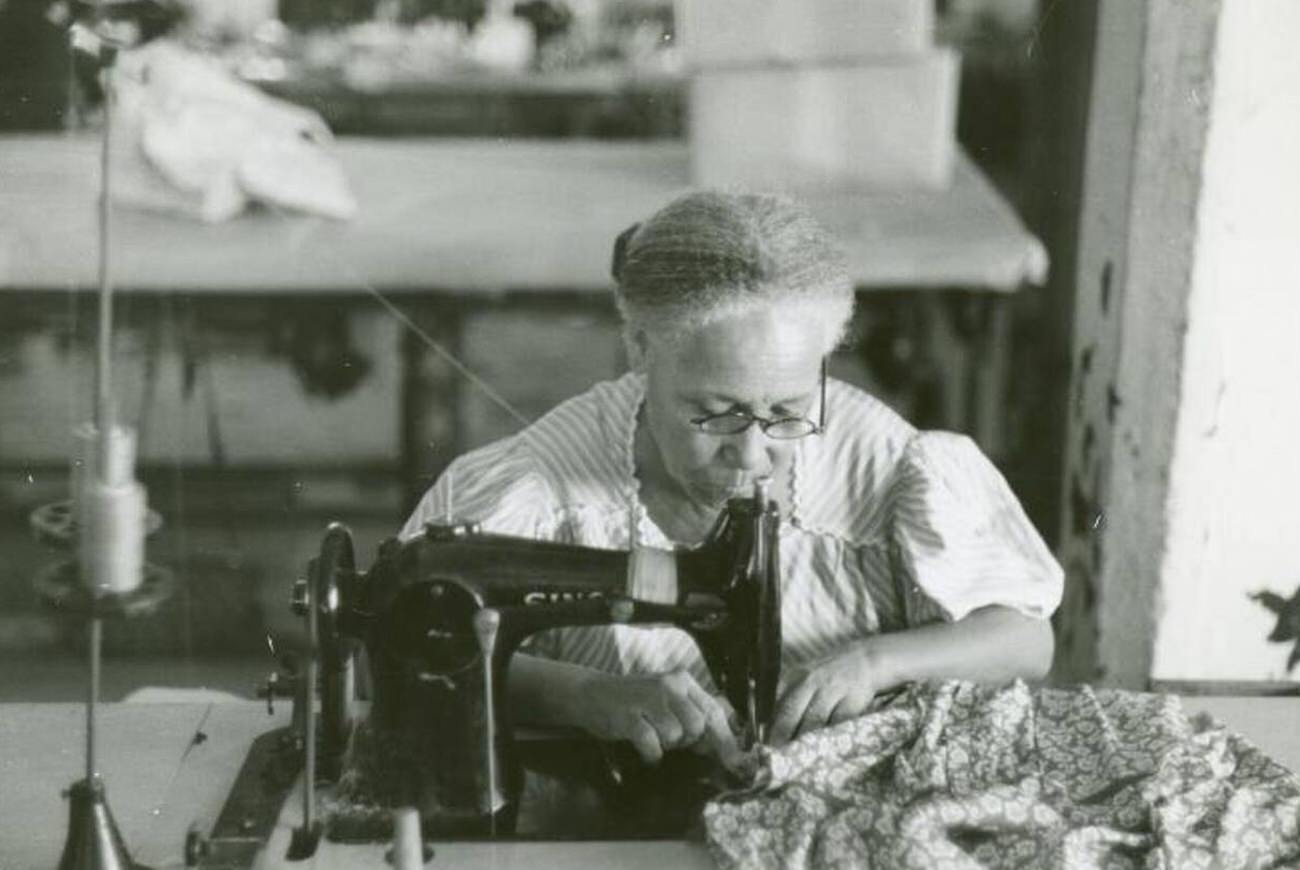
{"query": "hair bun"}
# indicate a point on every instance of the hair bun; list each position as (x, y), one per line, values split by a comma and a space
(620, 251)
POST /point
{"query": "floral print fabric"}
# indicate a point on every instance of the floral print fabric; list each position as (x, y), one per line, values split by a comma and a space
(963, 776)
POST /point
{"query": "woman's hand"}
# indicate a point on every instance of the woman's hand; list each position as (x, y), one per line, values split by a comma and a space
(991, 645)
(657, 713)
(826, 692)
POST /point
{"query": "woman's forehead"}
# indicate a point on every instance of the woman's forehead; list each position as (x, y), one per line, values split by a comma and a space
(754, 355)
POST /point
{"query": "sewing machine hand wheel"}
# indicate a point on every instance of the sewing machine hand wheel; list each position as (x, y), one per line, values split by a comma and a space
(330, 576)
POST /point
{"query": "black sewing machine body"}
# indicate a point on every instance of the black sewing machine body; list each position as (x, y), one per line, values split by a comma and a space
(441, 615)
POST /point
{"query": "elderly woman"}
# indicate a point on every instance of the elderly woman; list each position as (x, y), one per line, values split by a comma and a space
(904, 555)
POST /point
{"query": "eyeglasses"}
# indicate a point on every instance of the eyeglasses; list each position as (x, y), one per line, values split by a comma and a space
(781, 428)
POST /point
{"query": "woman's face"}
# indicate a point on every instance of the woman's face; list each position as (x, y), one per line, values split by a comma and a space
(766, 363)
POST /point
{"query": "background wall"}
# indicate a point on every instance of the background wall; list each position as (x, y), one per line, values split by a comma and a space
(1235, 474)
(1182, 405)
(1094, 223)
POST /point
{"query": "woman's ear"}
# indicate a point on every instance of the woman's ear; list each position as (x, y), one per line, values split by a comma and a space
(637, 344)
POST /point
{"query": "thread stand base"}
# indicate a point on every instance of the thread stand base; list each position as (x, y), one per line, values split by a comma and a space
(94, 842)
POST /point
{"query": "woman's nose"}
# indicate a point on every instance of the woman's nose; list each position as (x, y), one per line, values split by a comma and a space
(747, 451)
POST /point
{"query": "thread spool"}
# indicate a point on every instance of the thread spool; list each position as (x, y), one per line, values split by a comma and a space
(111, 510)
(652, 575)
(408, 841)
(85, 459)
(85, 465)
(81, 435)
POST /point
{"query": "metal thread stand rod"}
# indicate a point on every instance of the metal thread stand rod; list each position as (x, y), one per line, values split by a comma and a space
(92, 695)
(105, 412)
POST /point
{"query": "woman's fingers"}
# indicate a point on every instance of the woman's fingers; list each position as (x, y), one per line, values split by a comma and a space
(790, 712)
(733, 720)
(666, 712)
(850, 707)
(809, 706)
(645, 739)
(671, 710)
(685, 704)
(716, 737)
(817, 713)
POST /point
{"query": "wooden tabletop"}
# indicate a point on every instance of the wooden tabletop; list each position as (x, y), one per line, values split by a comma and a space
(160, 781)
(470, 216)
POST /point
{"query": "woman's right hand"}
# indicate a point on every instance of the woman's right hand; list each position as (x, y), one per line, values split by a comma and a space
(657, 713)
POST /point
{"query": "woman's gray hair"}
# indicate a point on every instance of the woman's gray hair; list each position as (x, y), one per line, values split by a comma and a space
(708, 255)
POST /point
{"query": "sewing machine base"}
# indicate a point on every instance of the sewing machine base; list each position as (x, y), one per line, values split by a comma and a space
(249, 815)
(569, 795)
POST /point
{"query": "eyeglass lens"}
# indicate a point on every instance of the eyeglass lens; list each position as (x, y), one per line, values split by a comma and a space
(735, 422)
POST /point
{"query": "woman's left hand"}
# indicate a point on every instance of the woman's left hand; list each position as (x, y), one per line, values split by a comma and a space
(832, 690)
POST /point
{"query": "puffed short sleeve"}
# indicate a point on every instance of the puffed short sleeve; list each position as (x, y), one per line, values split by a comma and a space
(961, 537)
(496, 486)
(499, 488)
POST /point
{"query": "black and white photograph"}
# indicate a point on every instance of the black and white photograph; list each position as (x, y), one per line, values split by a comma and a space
(640, 434)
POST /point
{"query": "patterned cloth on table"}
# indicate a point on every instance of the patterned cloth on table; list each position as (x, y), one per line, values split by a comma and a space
(958, 775)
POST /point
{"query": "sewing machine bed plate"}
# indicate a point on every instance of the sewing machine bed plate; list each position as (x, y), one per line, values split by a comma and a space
(564, 800)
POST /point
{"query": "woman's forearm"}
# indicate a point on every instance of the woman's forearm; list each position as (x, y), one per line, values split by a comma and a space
(991, 645)
(547, 692)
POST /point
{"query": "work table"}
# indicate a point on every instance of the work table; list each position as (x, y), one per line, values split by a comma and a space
(470, 216)
(161, 781)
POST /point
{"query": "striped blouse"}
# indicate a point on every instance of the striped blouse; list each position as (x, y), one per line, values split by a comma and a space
(887, 527)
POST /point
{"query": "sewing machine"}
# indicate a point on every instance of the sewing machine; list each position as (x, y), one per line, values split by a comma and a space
(439, 617)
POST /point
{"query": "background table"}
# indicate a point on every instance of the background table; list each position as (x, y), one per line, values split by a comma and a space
(471, 216)
(160, 782)
(445, 225)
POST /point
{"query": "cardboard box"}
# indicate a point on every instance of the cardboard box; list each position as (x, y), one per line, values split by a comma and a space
(879, 126)
(725, 33)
